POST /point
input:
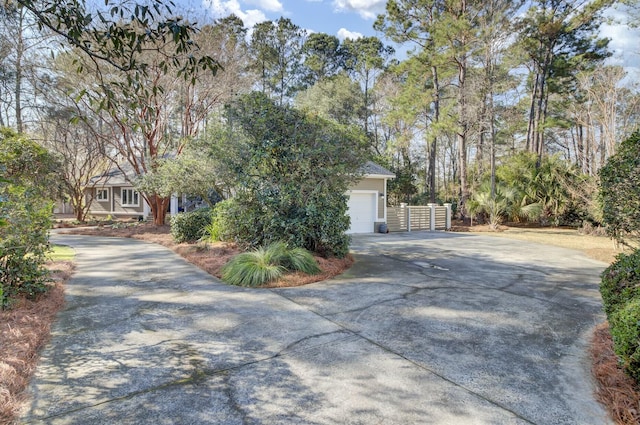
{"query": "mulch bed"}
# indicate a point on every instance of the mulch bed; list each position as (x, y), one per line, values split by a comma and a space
(24, 330)
(617, 391)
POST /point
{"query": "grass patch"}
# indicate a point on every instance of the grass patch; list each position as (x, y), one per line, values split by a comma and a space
(62, 253)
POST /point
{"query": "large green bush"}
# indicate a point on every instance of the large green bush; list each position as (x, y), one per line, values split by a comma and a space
(190, 226)
(620, 190)
(290, 172)
(621, 282)
(26, 191)
(620, 286)
(220, 227)
(624, 324)
(620, 289)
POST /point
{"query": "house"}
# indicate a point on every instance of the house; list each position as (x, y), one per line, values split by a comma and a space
(367, 202)
(114, 195)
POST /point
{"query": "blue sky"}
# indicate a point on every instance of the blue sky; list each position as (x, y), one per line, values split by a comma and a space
(342, 18)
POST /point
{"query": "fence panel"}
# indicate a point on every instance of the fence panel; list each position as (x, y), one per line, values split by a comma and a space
(409, 218)
(441, 218)
(396, 219)
(420, 217)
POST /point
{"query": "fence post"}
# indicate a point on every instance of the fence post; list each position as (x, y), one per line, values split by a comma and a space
(432, 217)
(448, 220)
(408, 219)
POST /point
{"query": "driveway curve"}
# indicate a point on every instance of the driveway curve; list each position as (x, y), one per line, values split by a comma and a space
(425, 328)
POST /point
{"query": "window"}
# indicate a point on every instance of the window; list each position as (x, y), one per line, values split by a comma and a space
(102, 194)
(130, 198)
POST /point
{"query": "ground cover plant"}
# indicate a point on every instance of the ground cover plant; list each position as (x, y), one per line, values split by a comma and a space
(266, 264)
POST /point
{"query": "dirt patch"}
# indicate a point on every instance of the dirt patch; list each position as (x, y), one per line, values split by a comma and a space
(24, 330)
(617, 391)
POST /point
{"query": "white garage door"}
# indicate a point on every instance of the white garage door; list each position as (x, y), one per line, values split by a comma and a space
(362, 210)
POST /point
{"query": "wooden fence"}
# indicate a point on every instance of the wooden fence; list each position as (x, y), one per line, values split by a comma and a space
(411, 218)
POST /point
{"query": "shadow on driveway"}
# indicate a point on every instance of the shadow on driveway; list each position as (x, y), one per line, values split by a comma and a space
(425, 328)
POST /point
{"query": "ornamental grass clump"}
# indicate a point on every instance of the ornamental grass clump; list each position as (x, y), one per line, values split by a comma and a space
(266, 264)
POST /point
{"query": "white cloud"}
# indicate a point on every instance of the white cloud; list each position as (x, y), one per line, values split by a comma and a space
(344, 33)
(222, 8)
(368, 9)
(268, 5)
(623, 45)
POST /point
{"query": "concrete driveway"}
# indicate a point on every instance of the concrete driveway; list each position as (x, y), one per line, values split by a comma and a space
(425, 328)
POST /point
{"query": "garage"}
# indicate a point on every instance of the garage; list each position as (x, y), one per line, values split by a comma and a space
(362, 210)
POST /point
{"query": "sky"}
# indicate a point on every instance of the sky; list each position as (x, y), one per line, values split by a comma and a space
(342, 18)
(355, 18)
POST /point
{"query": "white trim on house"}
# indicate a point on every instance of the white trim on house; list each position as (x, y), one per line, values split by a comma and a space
(377, 176)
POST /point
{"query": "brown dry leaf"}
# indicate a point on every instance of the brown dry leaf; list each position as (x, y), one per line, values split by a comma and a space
(617, 391)
(24, 330)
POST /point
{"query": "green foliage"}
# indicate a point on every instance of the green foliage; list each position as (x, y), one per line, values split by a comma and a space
(291, 172)
(337, 98)
(620, 289)
(190, 226)
(220, 228)
(621, 281)
(625, 332)
(620, 190)
(122, 33)
(267, 264)
(189, 173)
(299, 259)
(545, 188)
(25, 210)
(496, 206)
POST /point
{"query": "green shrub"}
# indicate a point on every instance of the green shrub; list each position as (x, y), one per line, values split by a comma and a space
(28, 184)
(300, 259)
(220, 227)
(621, 282)
(291, 171)
(620, 191)
(267, 264)
(625, 331)
(190, 226)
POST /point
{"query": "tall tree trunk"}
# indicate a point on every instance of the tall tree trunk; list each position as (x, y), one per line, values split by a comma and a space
(532, 114)
(433, 144)
(462, 135)
(18, 87)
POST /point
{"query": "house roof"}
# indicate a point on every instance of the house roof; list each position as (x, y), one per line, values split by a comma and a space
(112, 177)
(115, 177)
(372, 169)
